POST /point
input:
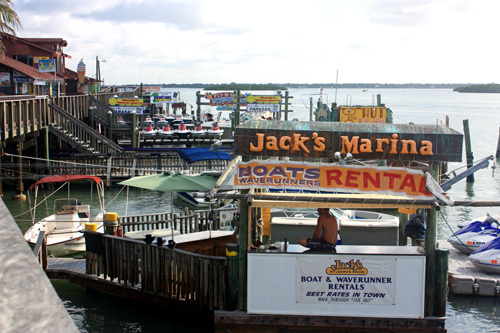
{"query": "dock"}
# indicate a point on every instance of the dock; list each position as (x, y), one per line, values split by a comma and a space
(465, 279)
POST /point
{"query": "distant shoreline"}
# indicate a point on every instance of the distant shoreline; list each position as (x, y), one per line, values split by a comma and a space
(253, 86)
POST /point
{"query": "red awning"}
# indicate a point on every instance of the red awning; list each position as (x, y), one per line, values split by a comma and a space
(64, 178)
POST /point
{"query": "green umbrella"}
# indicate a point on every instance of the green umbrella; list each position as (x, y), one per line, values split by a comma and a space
(173, 182)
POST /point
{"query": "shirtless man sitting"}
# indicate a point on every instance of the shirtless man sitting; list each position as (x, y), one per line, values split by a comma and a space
(325, 234)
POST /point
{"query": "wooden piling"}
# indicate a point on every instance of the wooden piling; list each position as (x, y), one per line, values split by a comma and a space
(498, 145)
(232, 275)
(430, 249)
(403, 221)
(468, 150)
(441, 282)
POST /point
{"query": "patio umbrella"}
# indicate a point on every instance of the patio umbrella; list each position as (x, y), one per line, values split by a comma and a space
(173, 182)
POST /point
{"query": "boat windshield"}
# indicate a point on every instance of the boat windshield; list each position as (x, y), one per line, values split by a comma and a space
(65, 206)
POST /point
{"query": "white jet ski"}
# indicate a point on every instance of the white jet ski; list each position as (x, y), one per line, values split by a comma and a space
(468, 239)
(487, 257)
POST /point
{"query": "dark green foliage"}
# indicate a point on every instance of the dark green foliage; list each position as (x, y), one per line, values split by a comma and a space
(480, 88)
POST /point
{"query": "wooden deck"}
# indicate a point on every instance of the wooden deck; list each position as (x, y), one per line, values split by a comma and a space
(466, 279)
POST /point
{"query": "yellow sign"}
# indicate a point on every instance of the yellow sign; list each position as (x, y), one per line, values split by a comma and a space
(35, 59)
(369, 114)
(264, 99)
(266, 217)
(134, 102)
(409, 211)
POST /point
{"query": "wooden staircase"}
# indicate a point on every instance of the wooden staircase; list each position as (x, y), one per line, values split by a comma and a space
(79, 135)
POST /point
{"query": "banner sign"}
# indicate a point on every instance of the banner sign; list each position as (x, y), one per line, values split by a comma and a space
(22, 78)
(135, 102)
(46, 65)
(263, 99)
(4, 79)
(263, 108)
(151, 89)
(368, 114)
(128, 109)
(332, 178)
(164, 97)
(346, 280)
(224, 99)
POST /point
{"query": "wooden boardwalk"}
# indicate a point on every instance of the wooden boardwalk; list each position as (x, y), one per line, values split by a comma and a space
(466, 279)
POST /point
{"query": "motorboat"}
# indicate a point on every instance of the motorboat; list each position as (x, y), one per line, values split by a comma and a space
(122, 123)
(165, 132)
(181, 131)
(196, 199)
(215, 131)
(356, 227)
(469, 238)
(198, 132)
(64, 227)
(487, 256)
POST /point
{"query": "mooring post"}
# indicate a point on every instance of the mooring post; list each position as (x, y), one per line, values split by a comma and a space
(91, 116)
(310, 109)
(232, 274)
(287, 97)
(242, 254)
(442, 256)
(403, 221)
(498, 145)
(110, 125)
(468, 150)
(430, 249)
(132, 130)
(198, 106)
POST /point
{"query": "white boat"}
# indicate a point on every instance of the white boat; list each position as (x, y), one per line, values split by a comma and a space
(196, 199)
(469, 238)
(356, 227)
(64, 227)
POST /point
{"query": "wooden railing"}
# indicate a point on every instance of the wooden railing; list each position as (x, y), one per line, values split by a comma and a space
(189, 222)
(22, 116)
(173, 273)
(81, 133)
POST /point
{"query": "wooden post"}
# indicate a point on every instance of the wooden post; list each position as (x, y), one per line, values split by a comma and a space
(47, 150)
(310, 109)
(286, 104)
(468, 150)
(110, 125)
(430, 249)
(441, 282)
(242, 255)
(132, 130)
(498, 145)
(20, 188)
(1, 181)
(91, 115)
(403, 221)
(198, 106)
(232, 274)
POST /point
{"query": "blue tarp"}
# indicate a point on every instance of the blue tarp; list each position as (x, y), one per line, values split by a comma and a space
(191, 155)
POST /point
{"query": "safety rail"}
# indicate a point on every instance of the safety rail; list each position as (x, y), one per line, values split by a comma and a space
(84, 136)
(199, 280)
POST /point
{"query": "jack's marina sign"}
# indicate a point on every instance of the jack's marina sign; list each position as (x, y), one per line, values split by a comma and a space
(429, 143)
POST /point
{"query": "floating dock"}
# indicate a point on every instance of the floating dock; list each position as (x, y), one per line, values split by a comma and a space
(465, 279)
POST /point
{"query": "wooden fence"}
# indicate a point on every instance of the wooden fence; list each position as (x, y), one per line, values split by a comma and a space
(176, 274)
(189, 222)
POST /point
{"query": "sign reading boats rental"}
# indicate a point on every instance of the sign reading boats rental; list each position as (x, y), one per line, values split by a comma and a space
(401, 142)
(333, 177)
(346, 280)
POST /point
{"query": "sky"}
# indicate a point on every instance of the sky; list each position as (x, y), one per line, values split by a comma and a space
(273, 41)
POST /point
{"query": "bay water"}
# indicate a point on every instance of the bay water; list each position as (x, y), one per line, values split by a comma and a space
(96, 312)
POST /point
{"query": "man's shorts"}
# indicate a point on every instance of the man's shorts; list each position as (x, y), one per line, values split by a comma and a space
(320, 244)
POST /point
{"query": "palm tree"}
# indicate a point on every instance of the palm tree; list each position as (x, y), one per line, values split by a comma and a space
(9, 21)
